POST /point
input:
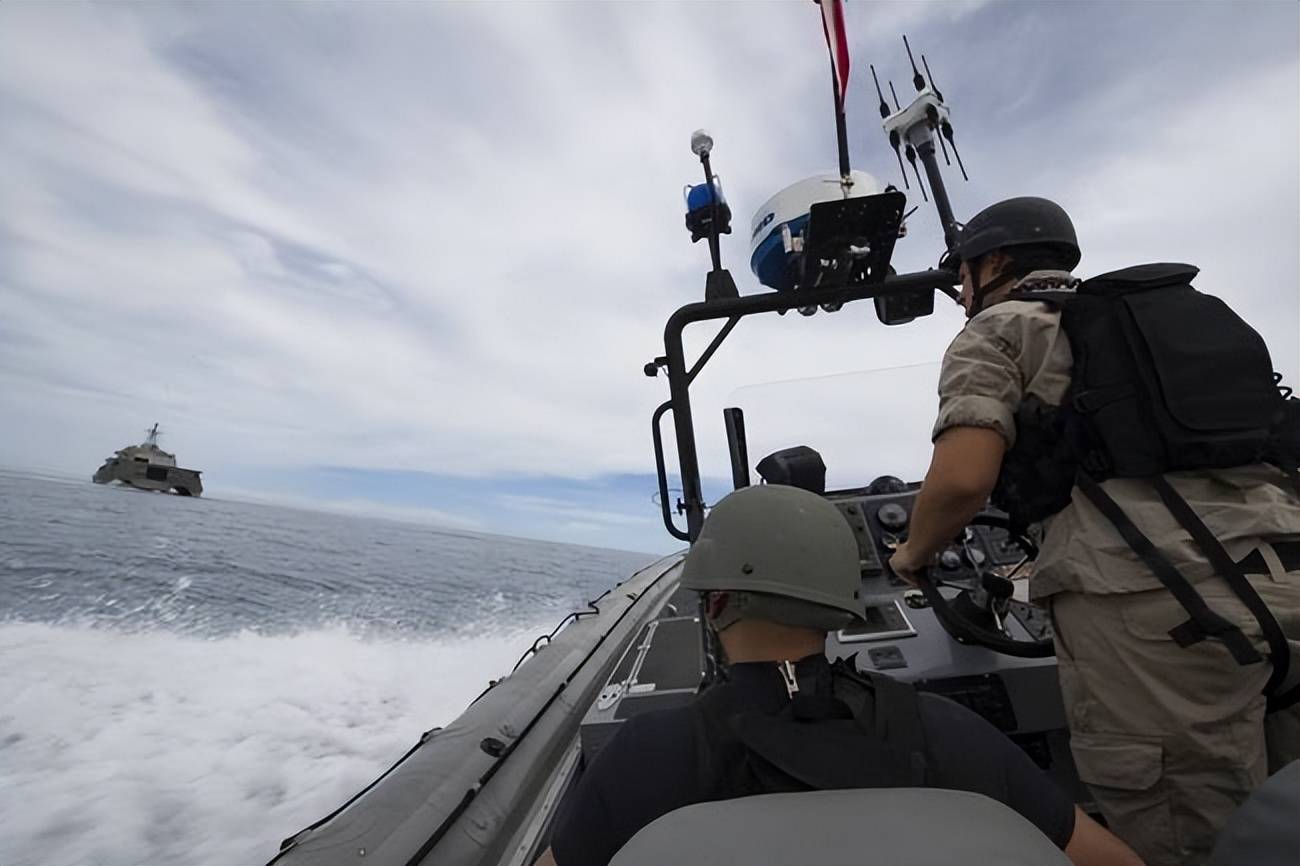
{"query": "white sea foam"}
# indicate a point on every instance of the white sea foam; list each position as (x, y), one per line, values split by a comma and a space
(157, 749)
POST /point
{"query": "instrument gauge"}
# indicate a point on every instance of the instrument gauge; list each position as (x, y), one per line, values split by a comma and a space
(892, 516)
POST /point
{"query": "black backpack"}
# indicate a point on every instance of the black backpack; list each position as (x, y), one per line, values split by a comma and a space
(1165, 378)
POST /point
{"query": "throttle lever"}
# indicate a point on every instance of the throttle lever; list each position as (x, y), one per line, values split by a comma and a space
(999, 589)
(995, 596)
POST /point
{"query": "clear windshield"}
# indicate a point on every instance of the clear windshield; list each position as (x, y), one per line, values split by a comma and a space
(864, 424)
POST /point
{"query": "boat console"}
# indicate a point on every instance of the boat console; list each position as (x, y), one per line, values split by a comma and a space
(902, 638)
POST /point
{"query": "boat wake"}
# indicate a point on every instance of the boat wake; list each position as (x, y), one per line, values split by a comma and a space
(160, 748)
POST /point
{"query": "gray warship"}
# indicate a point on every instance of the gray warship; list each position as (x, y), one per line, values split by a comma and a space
(486, 788)
(148, 467)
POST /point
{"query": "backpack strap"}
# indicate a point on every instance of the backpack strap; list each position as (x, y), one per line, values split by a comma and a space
(1055, 298)
(720, 770)
(1284, 444)
(1203, 622)
(1279, 651)
(886, 709)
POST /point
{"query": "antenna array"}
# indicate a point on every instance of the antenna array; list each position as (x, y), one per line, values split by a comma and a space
(912, 133)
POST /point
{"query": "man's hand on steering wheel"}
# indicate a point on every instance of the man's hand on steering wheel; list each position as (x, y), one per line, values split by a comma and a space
(905, 564)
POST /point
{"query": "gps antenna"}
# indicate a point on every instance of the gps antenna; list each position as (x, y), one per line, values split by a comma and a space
(710, 217)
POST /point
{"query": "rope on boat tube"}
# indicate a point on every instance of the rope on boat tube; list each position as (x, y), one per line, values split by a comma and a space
(572, 616)
(291, 842)
(455, 814)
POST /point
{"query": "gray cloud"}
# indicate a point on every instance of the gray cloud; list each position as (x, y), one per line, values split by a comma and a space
(445, 237)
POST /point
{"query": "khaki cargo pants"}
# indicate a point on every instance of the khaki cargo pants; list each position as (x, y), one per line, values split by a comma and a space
(1172, 740)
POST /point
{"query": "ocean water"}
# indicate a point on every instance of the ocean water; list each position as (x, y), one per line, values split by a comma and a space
(189, 681)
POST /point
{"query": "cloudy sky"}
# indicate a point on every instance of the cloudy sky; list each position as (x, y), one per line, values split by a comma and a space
(409, 259)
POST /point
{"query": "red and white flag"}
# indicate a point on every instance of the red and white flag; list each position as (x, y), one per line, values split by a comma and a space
(838, 43)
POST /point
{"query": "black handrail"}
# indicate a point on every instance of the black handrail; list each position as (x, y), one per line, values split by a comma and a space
(657, 434)
(734, 309)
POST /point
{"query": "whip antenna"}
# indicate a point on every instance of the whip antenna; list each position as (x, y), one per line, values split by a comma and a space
(917, 81)
(930, 75)
(946, 130)
(884, 106)
(895, 141)
(932, 114)
(911, 158)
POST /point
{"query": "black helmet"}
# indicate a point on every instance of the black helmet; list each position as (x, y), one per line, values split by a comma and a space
(1013, 223)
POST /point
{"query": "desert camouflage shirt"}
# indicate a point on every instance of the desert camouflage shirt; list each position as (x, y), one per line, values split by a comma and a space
(1016, 348)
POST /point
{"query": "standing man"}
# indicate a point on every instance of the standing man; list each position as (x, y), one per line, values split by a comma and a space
(1164, 657)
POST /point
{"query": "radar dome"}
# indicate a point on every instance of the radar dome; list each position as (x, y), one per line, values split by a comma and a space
(768, 258)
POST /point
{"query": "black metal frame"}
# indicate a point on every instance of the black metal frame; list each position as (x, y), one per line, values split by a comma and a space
(733, 310)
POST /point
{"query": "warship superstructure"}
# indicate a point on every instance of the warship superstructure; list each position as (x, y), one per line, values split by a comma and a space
(148, 467)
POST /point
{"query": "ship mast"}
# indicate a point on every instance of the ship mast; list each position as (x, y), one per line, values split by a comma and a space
(152, 440)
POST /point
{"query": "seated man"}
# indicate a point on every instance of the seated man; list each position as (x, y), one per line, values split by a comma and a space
(779, 569)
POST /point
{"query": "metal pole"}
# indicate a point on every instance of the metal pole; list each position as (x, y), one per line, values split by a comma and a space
(665, 506)
(714, 247)
(734, 417)
(842, 139)
(713, 347)
(925, 150)
(679, 394)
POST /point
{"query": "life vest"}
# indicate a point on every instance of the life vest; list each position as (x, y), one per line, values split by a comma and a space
(1164, 378)
(841, 729)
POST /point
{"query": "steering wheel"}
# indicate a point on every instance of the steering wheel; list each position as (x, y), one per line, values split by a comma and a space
(976, 616)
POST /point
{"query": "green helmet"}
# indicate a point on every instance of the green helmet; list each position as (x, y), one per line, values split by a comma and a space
(788, 548)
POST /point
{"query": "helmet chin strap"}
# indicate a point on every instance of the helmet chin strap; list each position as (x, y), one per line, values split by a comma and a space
(980, 292)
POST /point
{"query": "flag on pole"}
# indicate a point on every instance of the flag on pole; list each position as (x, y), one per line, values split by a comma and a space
(838, 43)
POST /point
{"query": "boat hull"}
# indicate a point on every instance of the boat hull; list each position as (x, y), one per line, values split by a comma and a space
(147, 476)
(480, 790)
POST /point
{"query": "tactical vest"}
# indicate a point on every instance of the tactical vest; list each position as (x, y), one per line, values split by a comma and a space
(1164, 378)
(840, 730)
